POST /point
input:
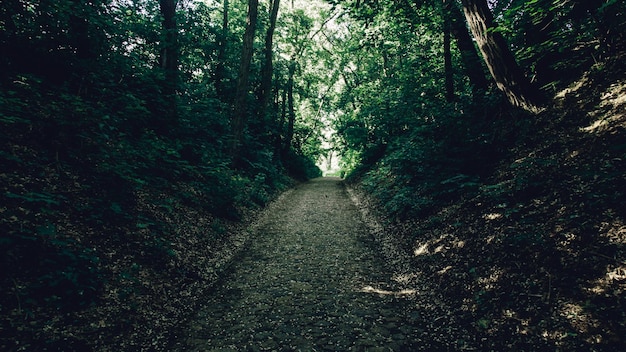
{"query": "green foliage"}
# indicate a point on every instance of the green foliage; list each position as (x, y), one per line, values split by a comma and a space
(66, 276)
(32, 197)
(399, 135)
(301, 167)
(554, 38)
(96, 158)
(97, 173)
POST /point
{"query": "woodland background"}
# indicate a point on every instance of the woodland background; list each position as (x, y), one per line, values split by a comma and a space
(138, 137)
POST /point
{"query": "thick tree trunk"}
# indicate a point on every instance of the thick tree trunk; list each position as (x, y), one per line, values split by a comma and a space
(169, 48)
(168, 62)
(469, 56)
(267, 70)
(240, 112)
(500, 60)
(87, 41)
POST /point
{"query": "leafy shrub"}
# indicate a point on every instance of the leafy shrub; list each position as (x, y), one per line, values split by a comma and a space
(301, 167)
(66, 274)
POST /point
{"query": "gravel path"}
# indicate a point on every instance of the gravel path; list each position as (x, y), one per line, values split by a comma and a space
(310, 280)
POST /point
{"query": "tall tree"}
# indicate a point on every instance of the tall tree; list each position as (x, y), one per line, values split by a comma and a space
(502, 65)
(291, 113)
(240, 112)
(279, 146)
(80, 29)
(469, 56)
(220, 69)
(267, 70)
(447, 54)
(168, 62)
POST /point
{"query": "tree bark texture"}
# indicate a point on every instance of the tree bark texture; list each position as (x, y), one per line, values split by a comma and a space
(168, 62)
(169, 48)
(291, 113)
(267, 70)
(469, 56)
(281, 121)
(499, 59)
(447, 59)
(240, 111)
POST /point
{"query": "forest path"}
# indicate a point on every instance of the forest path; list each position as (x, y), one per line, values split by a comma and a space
(311, 280)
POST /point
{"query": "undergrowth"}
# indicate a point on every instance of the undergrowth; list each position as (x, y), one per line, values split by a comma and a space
(106, 222)
(525, 237)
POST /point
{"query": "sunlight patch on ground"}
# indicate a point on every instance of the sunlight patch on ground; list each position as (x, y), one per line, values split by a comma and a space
(566, 240)
(405, 292)
(488, 281)
(611, 111)
(443, 243)
(614, 280)
(444, 270)
(404, 278)
(492, 216)
(617, 274)
(615, 232)
(421, 250)
(579, 318)
(523, 323)
(573, 88)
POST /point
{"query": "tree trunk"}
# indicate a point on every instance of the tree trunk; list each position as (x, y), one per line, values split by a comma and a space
(80, 31)
(291, 113)
(86, 39)
(169, 48)
(500, 60)
(267, 69)
(469, 56)
(240, 112)
(222, 42)
(281, 122)
(168, 62)
(447, 58)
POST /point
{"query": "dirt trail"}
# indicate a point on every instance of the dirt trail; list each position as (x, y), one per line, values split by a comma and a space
(311, 280)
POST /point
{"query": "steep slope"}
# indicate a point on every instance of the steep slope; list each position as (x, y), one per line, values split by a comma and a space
(108, 238)
(534, 256)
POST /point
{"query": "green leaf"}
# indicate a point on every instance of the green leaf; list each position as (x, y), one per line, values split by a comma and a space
(117, 209)
(47, 230)
(34, 197)
(483, 323)
(143, 225)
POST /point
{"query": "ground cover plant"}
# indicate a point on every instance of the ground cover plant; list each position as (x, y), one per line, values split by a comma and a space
(139, 140)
